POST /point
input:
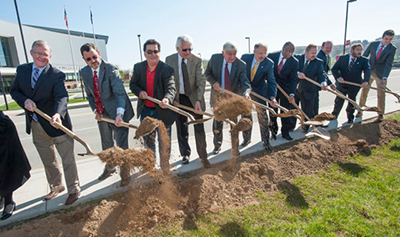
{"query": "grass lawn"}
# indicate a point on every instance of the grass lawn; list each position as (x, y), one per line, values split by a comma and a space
(14, 106)
(358, 198)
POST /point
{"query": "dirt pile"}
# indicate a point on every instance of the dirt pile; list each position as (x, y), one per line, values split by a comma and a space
(228, 107)
(229, 184)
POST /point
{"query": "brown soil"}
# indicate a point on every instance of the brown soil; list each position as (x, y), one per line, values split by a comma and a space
(290, 113)
(226, 185)
(227, 107)
(324, 116)
(359, 142)
(244, 124)
(147, 126)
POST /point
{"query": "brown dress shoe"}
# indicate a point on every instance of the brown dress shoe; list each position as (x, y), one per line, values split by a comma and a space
(206, 164)
(359, 114)
(72, 198)
(379, 119)
(54, 193)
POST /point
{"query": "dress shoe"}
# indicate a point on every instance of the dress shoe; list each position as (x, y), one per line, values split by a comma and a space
(287, 137)
(273, 137)
(206, 164)
(359, 114)
(304, 128)
(185, 160)
(125, 182)
(72, 198)
(350, 121)
(216, 150)
(379, 119)
(8, 210)
(54, 193)
(245, 143)
(106, 173)
(268, 147)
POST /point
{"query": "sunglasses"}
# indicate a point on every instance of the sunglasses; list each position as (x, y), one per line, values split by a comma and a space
(190, 49)
(149, 51)
(92, 58)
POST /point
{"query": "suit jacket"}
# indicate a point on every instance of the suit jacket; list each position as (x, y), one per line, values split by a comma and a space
(383, 65)
(49, 95)
(315, 71)
(340, 69)
(164, 87)
(112, 91)
(264, 82)
(287, 79)
(321, 55)
(197, 79)
(239, 81)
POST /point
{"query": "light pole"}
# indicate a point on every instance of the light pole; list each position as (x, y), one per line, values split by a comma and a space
(345, 24)
(140, 48)
(20, 30)
(199, 54)
(248, 40)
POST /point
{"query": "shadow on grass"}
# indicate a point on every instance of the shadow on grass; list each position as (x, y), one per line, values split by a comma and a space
(232, 229)
(293, 195)
(352, 168)
(395, 148)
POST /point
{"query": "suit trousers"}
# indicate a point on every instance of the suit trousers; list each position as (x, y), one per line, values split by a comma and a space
(263, 122)
(293, 120)
(286, 122)
(217, 130)
(183, 131)
(308, 106)
(339, 103)
(381, 94)
(65, 146)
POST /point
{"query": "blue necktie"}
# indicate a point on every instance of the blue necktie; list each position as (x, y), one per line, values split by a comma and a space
(35, 77)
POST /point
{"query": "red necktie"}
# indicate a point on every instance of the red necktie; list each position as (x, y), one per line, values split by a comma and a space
(280, 66)
(379, 53)
(97, 98)
(227, 78)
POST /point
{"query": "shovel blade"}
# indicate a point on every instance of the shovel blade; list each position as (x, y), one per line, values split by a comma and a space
(319, 132)
(197, 121)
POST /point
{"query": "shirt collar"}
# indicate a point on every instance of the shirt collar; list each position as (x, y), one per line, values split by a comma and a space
(40, 69)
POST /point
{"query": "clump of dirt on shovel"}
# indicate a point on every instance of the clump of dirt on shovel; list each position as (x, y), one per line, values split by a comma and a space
(324, 116)
(228, 107)
(290, 113)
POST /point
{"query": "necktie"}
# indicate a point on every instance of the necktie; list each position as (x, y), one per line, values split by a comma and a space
(328, 60)
(379, 53)
(305, 66)
(185, 76)
(97, 98)
(280, 66)
(351, 63)
(227, 78)
(253, 71)
(35, 77)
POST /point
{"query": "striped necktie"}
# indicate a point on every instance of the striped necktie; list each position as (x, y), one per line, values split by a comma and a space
(35, 77)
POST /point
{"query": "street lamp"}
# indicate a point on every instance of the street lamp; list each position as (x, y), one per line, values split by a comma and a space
(345, 25)
(248, 40)
(20, 30)
(199, 54)
(140, 48)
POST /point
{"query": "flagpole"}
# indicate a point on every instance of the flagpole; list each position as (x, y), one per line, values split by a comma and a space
(91, 20)
(70, 44)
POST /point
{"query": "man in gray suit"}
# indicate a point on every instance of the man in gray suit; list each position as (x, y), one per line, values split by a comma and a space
(381, 55)
(226, 71)
(190, 85)
(107, 98)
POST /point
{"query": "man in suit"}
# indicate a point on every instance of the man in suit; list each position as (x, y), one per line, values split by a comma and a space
(285, 71)
(349, 67)
(260, 70)
(312, 67)
(381, 55)
(190, 86)
(154, 78)
(107, 98)
(39, 85)
(226, 71)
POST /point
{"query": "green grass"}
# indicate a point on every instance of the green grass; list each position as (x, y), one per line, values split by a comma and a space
(14, 106)
(358, 198)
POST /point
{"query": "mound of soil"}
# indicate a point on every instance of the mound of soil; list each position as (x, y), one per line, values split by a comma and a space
(228, 107)
(226, 185)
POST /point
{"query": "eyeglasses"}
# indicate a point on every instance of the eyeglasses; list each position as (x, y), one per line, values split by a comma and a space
(94, 57)
(190, 49)
(44, 55)
(149, 51)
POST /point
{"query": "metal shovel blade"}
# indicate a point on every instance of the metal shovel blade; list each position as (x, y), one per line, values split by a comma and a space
(197, 121)
(319, 132)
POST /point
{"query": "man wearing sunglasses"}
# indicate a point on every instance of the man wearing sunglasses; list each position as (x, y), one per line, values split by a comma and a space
(154, 78)
(108, 99)
(190, 85)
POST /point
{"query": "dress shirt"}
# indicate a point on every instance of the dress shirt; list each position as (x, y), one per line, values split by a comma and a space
(40, 69)
(280, 58)
(181, 81)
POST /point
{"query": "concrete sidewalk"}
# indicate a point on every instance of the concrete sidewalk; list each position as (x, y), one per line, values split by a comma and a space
(29, 197)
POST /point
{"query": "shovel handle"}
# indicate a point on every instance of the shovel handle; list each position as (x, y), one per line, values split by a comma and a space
(193, 110)
(294, 104)
(124, 124)
(269, 101)
(173, 108)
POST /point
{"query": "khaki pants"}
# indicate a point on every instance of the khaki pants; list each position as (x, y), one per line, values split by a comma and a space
(65, 146)
(381, 94)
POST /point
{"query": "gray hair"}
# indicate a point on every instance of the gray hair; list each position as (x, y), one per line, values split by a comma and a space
(185, 38)
(229, 46)
(258, 45)
(40, 43)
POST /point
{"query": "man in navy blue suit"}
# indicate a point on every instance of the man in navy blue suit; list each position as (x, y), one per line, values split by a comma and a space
(349, 67)
(285, 70)
(260, 71)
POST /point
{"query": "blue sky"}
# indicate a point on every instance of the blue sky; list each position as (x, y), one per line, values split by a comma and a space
(211, 23)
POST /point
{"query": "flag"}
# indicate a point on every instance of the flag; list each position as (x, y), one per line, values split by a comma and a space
(65, 18)
(91, 16)
(347, 42)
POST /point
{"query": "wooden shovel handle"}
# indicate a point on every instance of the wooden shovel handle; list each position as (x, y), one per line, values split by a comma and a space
(194, 110)
(294, 104)
(173, 108)
(124, 124)
(269, 101)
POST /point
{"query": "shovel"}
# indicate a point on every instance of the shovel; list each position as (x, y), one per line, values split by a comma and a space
(128, 125)
(68, 132)
(386, 90)
(179, 111)
(322, 133)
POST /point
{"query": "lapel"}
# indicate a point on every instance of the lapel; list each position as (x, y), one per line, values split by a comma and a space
(102, 73)
(233, 71)
(385, 50)
(190, 65)
(43, 76)
(175, 64)
(260, 68)
(218, 65)
(143, 69)
(157, 75)
(284, 65)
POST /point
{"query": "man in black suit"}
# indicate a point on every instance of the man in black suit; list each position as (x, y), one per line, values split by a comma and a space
(154, 78)
(40, 85)
(260, 71)
(349, 67)
(381, 55)
(312, 67)
(285, 70)
(226, 71)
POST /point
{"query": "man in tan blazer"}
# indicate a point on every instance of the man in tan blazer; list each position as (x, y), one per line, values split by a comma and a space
(190, 86)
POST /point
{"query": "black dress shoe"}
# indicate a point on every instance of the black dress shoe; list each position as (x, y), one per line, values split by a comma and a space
(106, 173)
(245, 143)
(6, 214)
(287, 137)
(268, 147)
(273, 137)
(216, 150)
(185, 160)
(350, 121)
